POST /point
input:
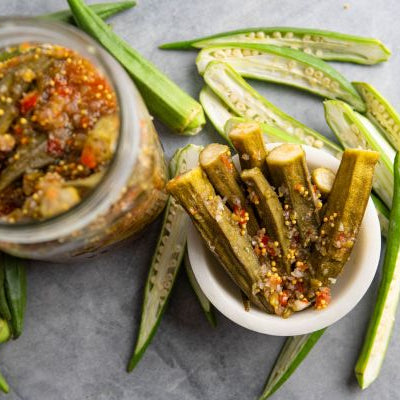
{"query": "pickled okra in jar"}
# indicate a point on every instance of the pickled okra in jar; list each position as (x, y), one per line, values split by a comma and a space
(59, 125)
(72, 143)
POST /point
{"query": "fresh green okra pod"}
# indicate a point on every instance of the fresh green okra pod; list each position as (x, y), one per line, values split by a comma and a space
(15, 286)
(216, 161)
(270, 211)
(220, 231)
(4, 308)
(165, 100)
(355, 131)
(343, 214)
(103, 10)
(290, 175)
(284, 66)
(319, 43)
(323, 179)
(4, 387)
(381, 112)
(244, 101)
(248, 141)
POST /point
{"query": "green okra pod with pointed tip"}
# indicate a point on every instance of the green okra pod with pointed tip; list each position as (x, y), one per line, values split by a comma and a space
(290, 175)
(344, 212)
(284, 66)
(220, 232)
(381, 112)
(244, 101)
(103, 10)
(216, 161)
(165, 100)
(323, 44)
(270, 211)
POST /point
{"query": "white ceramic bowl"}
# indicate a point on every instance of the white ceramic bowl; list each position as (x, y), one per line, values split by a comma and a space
(350, 287)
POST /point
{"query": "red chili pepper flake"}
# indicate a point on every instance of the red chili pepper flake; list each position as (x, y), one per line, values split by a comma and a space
(323, 298)
(88, 158)
(227, 162)
(54, 147)
(283, 298)
(28, 102)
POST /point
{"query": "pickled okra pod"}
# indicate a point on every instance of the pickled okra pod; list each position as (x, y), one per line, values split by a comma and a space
(165, 100)
(284, 66)
(244, 101)
(344, 212)
(355, 131)
(290, 175)
(220, 231)
(323, 44)
(249, 143)
(323, 179)
(381, 112)
(270, 211)
(216, 161)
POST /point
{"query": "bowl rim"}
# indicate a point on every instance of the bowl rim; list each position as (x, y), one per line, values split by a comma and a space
(225, 296)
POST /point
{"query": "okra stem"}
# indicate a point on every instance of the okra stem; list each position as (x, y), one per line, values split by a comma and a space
(244, 101)
(216, 161)
(284, 66)
(319, 43)
(290, 175)
(220, 231)
(344, 212)
(164, 98)
(270, 211)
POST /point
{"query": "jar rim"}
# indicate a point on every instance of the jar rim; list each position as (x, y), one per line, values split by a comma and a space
(15, 30)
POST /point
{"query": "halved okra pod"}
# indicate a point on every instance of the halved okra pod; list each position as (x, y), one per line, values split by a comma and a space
(220, 231)
(323, 179)
(285, 66)
(249, 143)
(289, 172)
(381, 112)
(344, 212)
(355, 131)
(270, 211)
(319, 43)
(244, 101)
(216, 161)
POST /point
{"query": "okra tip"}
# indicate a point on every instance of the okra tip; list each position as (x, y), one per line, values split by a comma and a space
(195, 121)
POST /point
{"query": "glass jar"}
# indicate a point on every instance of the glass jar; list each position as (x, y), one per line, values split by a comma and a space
(132, 192)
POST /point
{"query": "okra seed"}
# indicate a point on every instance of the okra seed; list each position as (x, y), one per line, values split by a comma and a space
(318, 74)
(334, 85)
(241, 106)
(306, 38)
(237, 53)
(354, 128)
(252, 35)
(228, 52)
(289, 35)
(277, 35)
(291, 64)
(319, 53)
(309, 71)
(299, 132)
(250, 113)
(246, 52)
(307, 50)
(326, 81)
(260, 35)
(381, 108)
(309, 140)
(255, 53)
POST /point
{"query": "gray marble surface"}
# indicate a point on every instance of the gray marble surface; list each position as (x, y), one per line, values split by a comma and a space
(81, 319)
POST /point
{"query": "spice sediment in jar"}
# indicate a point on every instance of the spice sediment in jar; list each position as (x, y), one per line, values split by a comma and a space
(59, 125)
